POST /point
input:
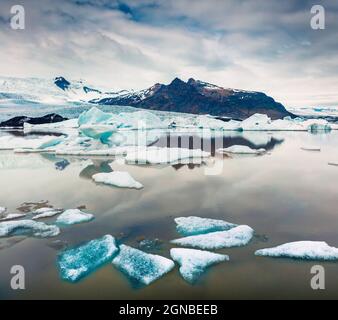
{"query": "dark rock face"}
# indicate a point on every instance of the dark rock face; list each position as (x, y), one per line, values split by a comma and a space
(17, 122)
(201, 98)
(62, 83)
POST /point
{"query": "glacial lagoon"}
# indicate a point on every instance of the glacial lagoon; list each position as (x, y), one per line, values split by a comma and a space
(276, 194)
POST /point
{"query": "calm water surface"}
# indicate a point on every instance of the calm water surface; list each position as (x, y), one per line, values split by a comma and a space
(287, 195)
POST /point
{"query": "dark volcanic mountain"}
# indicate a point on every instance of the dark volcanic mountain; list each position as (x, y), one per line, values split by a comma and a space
(200, 98)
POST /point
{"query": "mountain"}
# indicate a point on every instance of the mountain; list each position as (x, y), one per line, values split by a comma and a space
(199, 97)
(193, 96)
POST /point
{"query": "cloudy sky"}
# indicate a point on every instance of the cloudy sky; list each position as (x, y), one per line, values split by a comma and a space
(263, 45)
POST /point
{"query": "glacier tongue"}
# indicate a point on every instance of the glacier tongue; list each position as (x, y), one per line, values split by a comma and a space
(235, 237)
(193, 263)
(142, 268)
(28, 227)
(74, 216)
(189, 226)
(306, 250)
(76, 263)
(117, 178)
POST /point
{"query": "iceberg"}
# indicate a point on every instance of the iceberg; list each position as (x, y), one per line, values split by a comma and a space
(119, 179)
(241, 150)
(311, 148)
(189, 226)
(13, 216)
(306, 250)
(142, 268)
(28, 227)
(235, 237)
(333, 164)
(94, 116)
(74, 216)
(2, 210)
(45, 213)
(11, 142)
(78, 262)
(193, 263)
(155, 155)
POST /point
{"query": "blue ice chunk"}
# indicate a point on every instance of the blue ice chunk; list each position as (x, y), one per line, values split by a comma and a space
(142, 268)
(193, 263)
(28, 227)
(80, 261)
(189, 226)
(94, 116)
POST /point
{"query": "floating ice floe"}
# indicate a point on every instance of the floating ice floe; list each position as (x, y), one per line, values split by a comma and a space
(74, 216)
(235, 237)
(28, 227)
(193, 263)
(46, 213)
(142, 268)
(189, 226)
(2, 210)
(11, 142)
(311, 148)
(78, 262)
(155, 155)
(119, 179)
(64, 127)
(13, 216)
(306, 250)
(241, 150)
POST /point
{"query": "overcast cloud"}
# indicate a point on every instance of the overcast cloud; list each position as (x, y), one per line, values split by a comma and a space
(263, 45)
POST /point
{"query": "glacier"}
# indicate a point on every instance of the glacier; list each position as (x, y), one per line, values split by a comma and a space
(235, 237)
(193, 263)
(305, 250)
(140, 267)
(28, 227)
(73, 216)
(78, 262)
(119, 179)
(189, 226)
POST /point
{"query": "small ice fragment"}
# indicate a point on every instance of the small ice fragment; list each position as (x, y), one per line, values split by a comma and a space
(28, 227)
(193, 263)
(333, 164)
(45, 213)
(117, 178)
(78, 262)
(74, 216)
(305, 250)
(241, 150)
(141, 267)
(13, 216)
(2, 210)
(235, 237)
(189, 226)
(311, 148)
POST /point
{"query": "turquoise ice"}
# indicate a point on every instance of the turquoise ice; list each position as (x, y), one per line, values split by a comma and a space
(80, 261)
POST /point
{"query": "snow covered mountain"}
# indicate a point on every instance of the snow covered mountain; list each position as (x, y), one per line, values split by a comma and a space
(193, 96)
